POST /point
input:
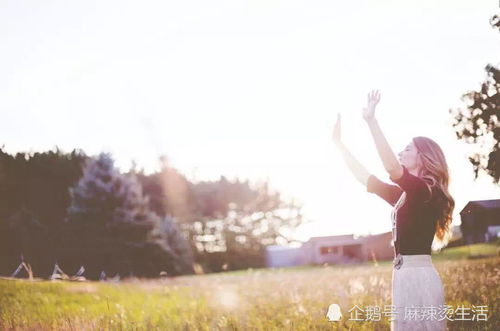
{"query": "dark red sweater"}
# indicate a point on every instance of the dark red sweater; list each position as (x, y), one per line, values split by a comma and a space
(416, 218)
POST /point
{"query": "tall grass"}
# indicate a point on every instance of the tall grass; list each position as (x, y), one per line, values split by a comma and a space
(274, 299)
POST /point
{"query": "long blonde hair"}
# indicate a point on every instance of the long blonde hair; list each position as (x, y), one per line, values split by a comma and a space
(434, 169)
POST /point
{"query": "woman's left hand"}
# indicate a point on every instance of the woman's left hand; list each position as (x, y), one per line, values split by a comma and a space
(369, 110)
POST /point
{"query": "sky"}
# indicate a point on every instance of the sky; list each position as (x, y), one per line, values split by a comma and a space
(248, 89)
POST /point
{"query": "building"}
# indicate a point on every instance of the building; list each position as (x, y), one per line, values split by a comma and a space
(480, 221)
(456, 237)
(333, 250)
(281, 256)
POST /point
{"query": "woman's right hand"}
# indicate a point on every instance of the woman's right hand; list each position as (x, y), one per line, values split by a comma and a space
(336, 132)
(369, 110)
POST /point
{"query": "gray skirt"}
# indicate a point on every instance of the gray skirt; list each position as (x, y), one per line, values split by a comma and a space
(417, 294)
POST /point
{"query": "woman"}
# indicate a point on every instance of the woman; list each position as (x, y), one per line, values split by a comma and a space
(422, 210)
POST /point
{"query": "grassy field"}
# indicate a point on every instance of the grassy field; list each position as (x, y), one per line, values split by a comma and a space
(469, 252)
(259, 299)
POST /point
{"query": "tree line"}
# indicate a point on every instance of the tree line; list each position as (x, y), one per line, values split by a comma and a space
(78, 210)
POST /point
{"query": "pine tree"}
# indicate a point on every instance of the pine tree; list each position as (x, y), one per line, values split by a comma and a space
(177, 245)
(110, 216)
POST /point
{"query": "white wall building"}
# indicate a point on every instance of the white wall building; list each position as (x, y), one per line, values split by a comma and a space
(333, 250)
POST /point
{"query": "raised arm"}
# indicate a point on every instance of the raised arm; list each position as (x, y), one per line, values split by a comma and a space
(385, 152)
(357, 169)
(388, 192)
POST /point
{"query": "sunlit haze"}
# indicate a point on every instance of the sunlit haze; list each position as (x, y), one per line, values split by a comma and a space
(248, 89)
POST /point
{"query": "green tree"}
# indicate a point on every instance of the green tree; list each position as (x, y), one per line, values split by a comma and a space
(34, 198)
(227, 223)
(178, 245)
(111, 225)
(238, 220)
(479, 122)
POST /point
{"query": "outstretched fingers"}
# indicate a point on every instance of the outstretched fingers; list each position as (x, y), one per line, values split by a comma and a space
(374, 96)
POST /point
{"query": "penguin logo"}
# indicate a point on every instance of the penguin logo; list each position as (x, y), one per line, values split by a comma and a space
(334, 314)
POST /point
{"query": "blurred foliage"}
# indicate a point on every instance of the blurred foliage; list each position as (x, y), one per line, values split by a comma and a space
(479, 122)
(78, 210)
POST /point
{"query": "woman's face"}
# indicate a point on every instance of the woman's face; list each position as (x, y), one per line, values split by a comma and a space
(409, 156)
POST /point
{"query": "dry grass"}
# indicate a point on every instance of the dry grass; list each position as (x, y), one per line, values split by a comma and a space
(279, 299)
